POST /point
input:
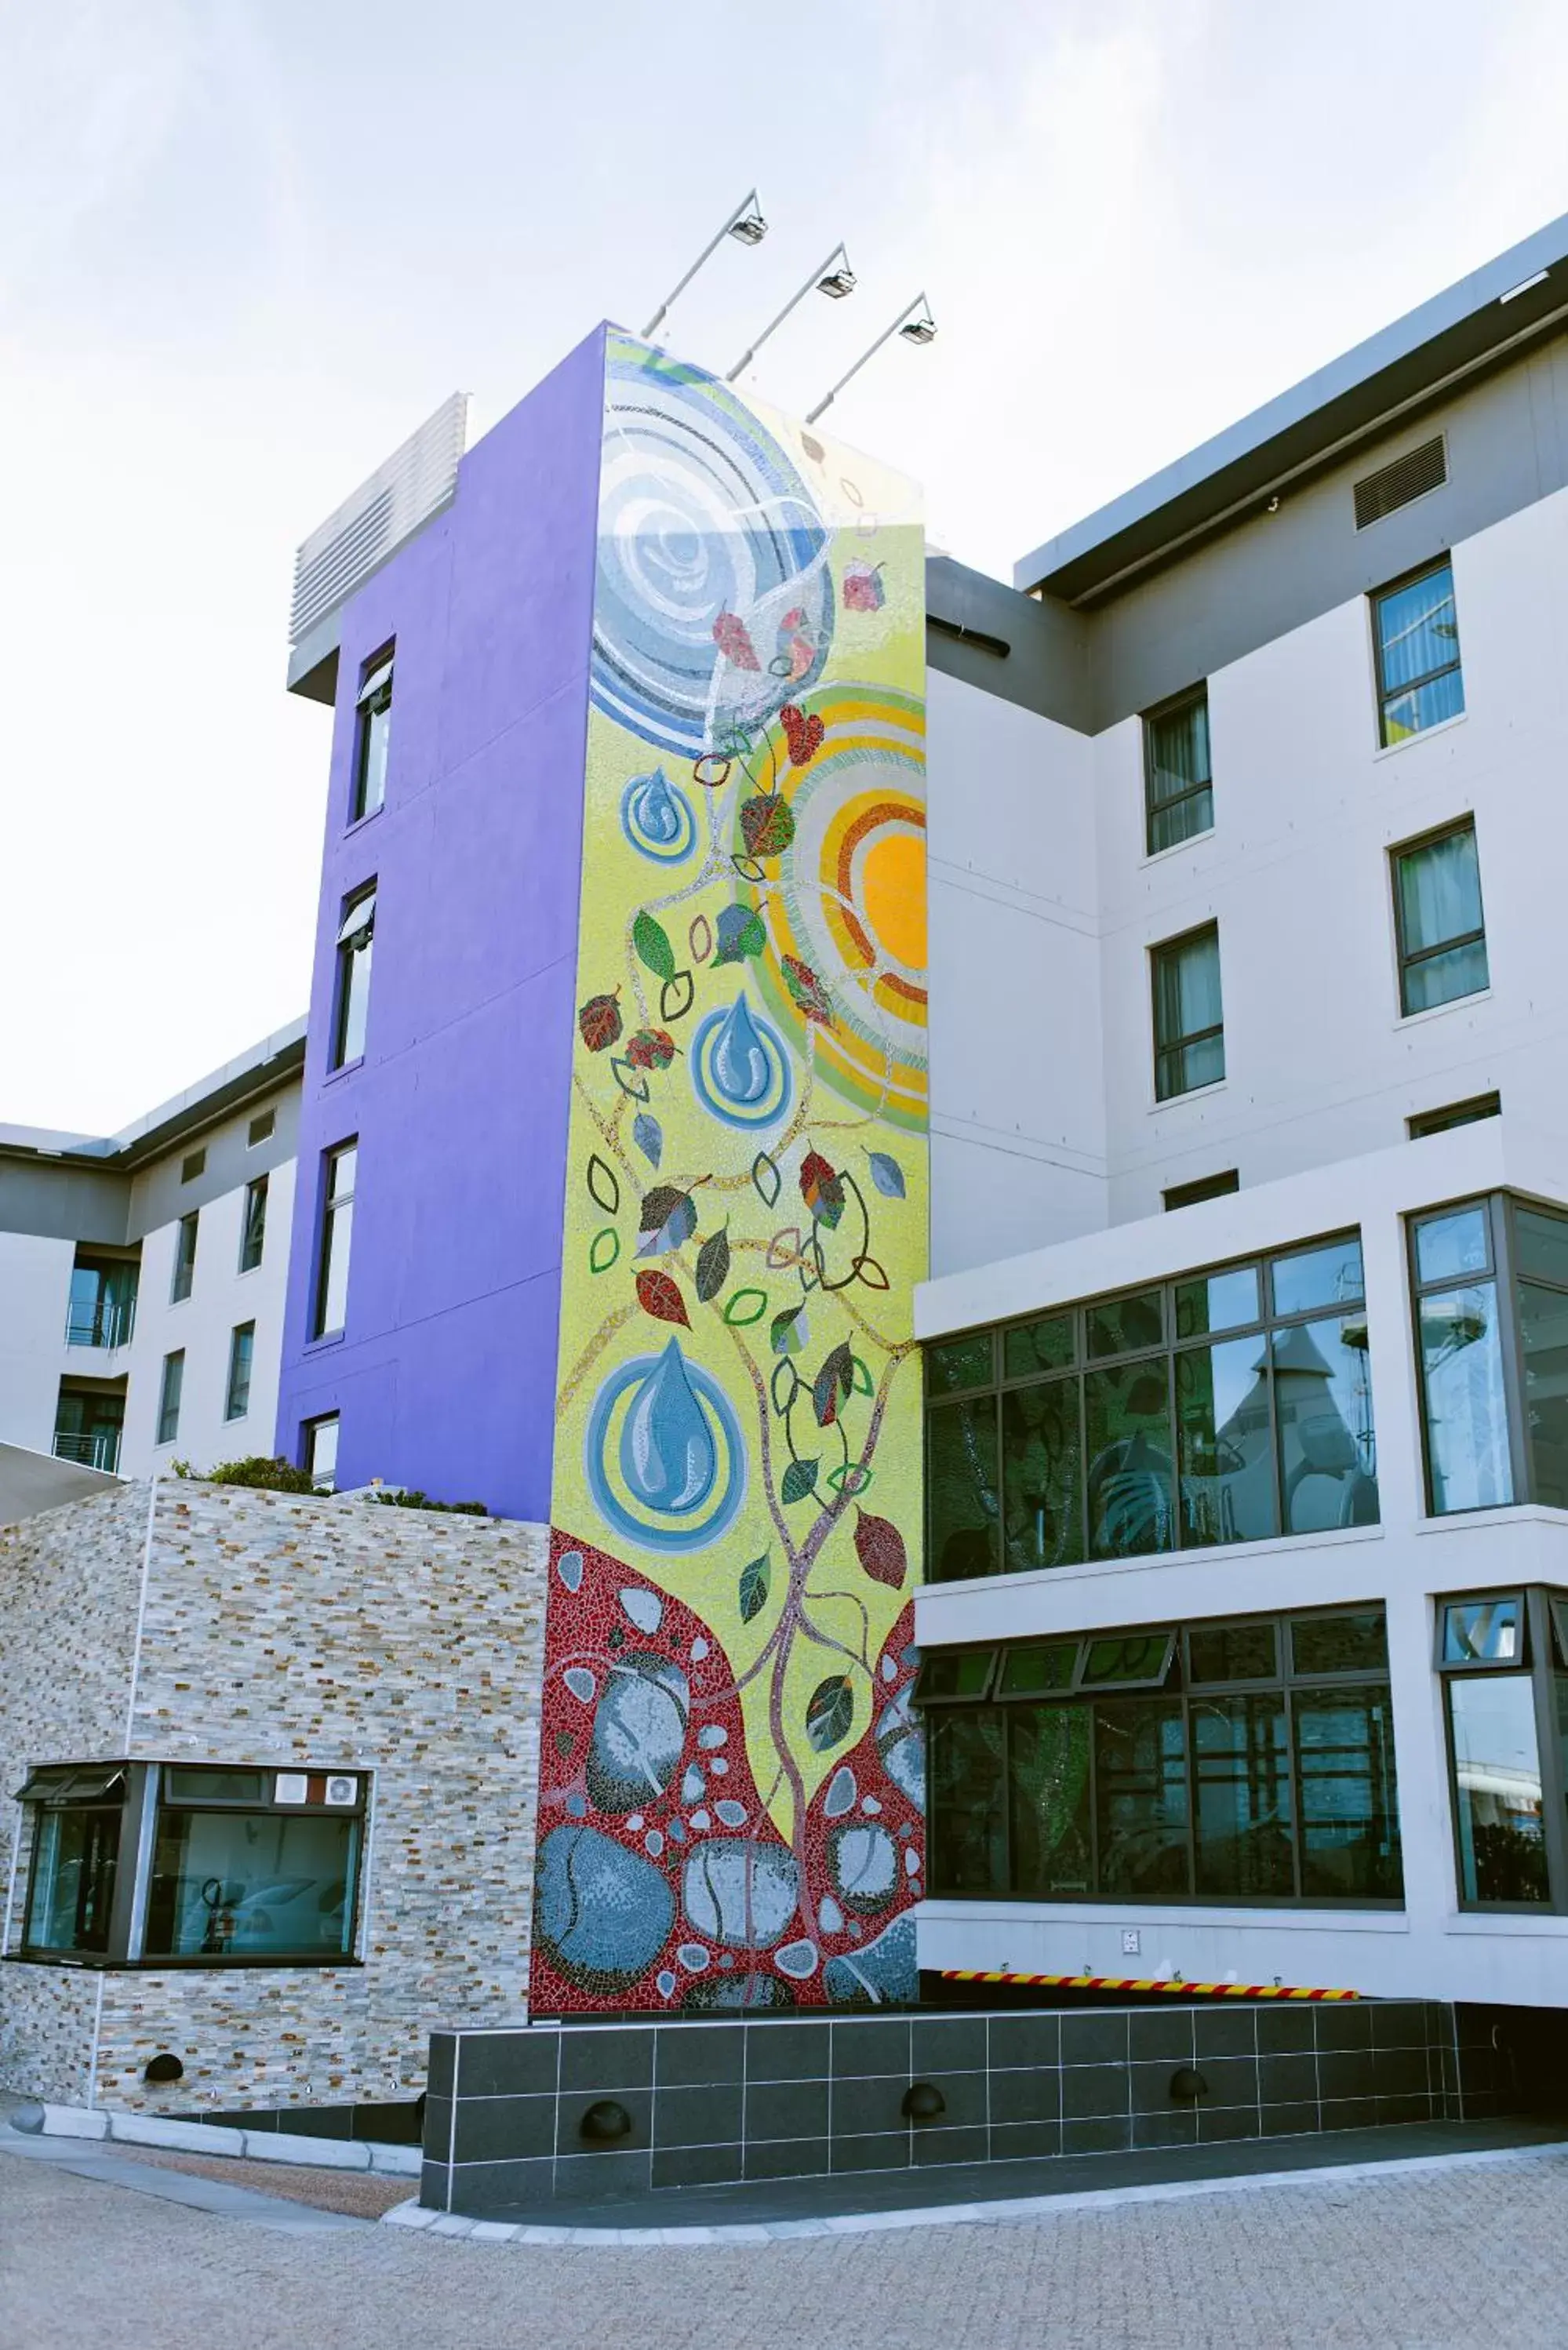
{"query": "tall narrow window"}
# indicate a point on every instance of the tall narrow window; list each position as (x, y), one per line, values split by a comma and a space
(169, 1396)
(356, 936)
(184, 1258)
(320, 1451)
(1438, 909)
(1419, 681)
(253, 1229)
(337, 1233)
(1179, 796)
(1188, 1018)
(1460, 1338)
(372, 736)
(241, 1352)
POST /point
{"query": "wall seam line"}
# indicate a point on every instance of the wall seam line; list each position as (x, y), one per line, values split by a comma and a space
(140, 1615)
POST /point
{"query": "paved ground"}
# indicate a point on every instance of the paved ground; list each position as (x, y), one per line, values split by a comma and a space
(361, 2194)
(1437, 2260)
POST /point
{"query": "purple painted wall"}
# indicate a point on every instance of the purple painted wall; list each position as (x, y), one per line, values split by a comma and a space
(444, 1375)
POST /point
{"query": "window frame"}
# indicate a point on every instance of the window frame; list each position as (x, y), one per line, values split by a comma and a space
(353, 962)
(183, 1278)
(1167, 1048)
(169, 1405)
(308, 1430)
(326, 1224)
(373, 700)
(252, 1212)
(1543, 1666)
(262, 1128)
(1199, 1190)
(1474, 1110)
(247, 1331)
(1191, 698)
(1376, 597)
(1410, 958)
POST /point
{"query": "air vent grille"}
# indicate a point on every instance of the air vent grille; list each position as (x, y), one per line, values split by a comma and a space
(406, 490)
(1392, 486)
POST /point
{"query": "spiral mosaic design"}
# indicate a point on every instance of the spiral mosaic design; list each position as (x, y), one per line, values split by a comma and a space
(663, 1455)
(713, 604)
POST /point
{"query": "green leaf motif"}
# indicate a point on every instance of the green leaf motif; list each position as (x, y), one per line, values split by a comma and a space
(830, 1715)
(787, 1331)
(766, 1177)
(653, 946)
(741, 933)
(746, 1306)
(604, 1249)
(753, 1588)
(799, 1480)
(712, 1265)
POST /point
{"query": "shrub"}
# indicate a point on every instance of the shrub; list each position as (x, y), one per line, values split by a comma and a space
(269, 1476)
(409, 1497)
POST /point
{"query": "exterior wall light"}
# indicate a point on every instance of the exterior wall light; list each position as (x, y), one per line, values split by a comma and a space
(914, 323)
(746, 224)
(159, 2069)
(924, 2101)
(832, 276)
(1186, 2085)
(604, 2122)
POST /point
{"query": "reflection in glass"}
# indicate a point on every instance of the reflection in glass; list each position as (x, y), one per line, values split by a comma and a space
(72, 1890)
(1452, 1247)
(1126, 1657)
(1233, 1652)
(1141, 1796)
(1543, 1331)
(1043, 1476)
(1540, 1245)
(1497, 1793)
(1032, 1667)
(1354, 1643)
(1349, 1802)
(1221, 1301)
(1329, 1275)
(1240, 1760)
(1418, 671)
(1051, 1855)
(961, 1363)
(968, 1795)
(1047, 1345)
(1322, 1408)
(1130, 1480)
(1467, 1413)
(1121, 1325)
(1483, 1631)
(960, 1470)
(954, 1673)
(250, 1884)
(1227, 1448)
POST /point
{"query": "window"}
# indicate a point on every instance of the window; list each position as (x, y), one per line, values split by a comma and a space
(1416, 635)
(356, 936)
(1437, 916)
(320, 1451)
(1504, 1669)
(242, 1353)
(1237, 1761)
(1205, 1186)
(1178, 798)
(253, 1225)
(260, 1128)
(196, 1164)
(102, 1308)
(339, 1169)
(1464, 1113)
(89, 1421)
(1189, 1020)
(168, 1396)
(372, 736)
(1230, 1405)
(184, 1257)
(242, 1866)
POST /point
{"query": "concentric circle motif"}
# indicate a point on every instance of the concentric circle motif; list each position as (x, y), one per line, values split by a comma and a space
(740, 1067)
(663, 1454)
(714, 603)
(656, 817)
(852, 897)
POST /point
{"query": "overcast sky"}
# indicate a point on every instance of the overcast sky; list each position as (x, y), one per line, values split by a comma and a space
(245, 245)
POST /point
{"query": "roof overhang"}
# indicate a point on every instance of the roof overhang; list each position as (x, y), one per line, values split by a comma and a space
(31, 1483)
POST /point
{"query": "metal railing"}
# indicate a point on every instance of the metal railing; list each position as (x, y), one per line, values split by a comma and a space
(108, 1322)
(101, 1449)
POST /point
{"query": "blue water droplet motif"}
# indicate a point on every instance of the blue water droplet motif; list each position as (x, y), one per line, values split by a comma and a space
(667, 1455)
(656, 817)
(740, 1060)
(739, 1068)
(656, 810)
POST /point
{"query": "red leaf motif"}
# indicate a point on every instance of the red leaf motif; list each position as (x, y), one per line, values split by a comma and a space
(730, 636)
(600, 1021)
(767, 825)
(880, 1549)
(657, 1294)
(808, 990)
(651, 1048)
(815, 1172)
(803, 734)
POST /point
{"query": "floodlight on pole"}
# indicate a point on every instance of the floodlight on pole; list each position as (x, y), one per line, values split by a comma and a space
(832, 276)
(746, 224)
(914, 322)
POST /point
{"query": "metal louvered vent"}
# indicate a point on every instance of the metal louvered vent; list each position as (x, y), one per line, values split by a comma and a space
(1392, 486)
(415, 481)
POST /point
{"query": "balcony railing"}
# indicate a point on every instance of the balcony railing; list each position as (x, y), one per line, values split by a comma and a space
(101, 1449)
(106, 1321)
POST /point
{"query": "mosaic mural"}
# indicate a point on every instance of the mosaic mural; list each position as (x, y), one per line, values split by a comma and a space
(730, 1777)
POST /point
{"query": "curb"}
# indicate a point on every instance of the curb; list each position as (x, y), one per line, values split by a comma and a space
(98, 2123)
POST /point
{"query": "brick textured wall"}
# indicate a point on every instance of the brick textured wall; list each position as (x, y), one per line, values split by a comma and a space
(284, 1630)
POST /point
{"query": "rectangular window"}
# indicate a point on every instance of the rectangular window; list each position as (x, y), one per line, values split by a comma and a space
(1464, 1113)
(1503, 1694)
(331, 1302)
(102, 1308)
(320, 1451)
(196, 1164)
(351, 1000)
(1417, 635)
(253, 1225)
(89, 1421)
(1179, 796)
(260, 1128)
(1188, 1018)
(1438, 912)
(168, 1396)
(77, 1820)
(1228, 1406)
(372, 736)
(1204, 1187)
(242, 1353)
(1254, 1763)
(184, 1257)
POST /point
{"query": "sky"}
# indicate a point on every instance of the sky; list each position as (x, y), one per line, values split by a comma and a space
(247, 245)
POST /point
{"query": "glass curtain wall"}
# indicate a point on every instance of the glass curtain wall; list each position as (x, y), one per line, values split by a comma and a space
(1502, 1656)
(1491, 1282)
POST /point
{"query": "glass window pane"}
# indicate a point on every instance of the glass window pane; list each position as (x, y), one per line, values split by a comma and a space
(1340, 1643)
(1131, 1507)
(1126, 1657)
(1233, 1652)
(1497, 1790)
(1484, 1631)
(1421, 706)
(954, 1674)
(1180, 820)
(1043, 1474)
(321, 1452)
(1219, 1301)
(1140, 1796)
(1118, 1326)
(1240, 1761)
(1467, 1414)
(1349, 1797)
(1540, 1245)
(1443, 978)
(1440, 890)
(1030, 1668)
(1451, 1247)
(960, 1468)
(967, 1803)
(1046, 1346)
(1322, 1413)
(1329, 1275)
(251, 1885)
(1187, 1002)
(1048, 1747)
(336, 1242)
(71, 1891)
(1543, 1329)
(1227, 1446)
(959, 1363)
(1417, 630)
(185, 1784)
(1179, 750)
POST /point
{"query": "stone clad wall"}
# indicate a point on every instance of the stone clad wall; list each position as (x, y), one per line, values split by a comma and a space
(284, 1629)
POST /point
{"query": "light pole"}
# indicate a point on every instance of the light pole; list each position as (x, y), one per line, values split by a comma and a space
(832, 276)
(745, 224)
(916, 324)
